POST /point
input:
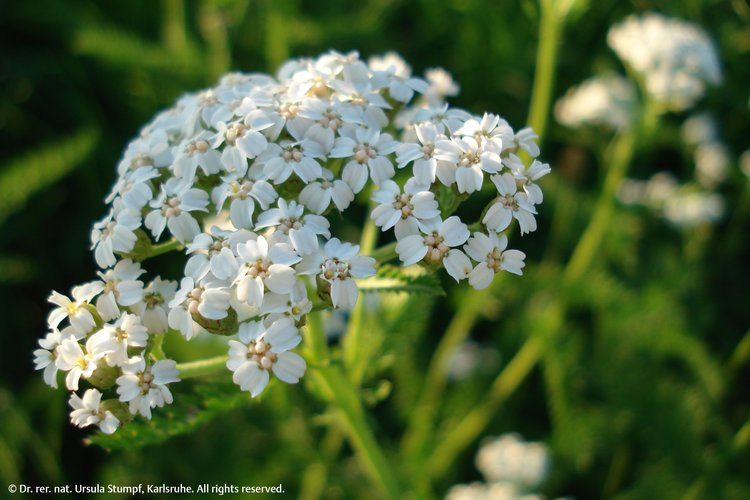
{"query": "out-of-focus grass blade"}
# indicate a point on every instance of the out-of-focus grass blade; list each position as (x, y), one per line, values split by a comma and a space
(23, 176)
(19, 438)
(120, 48)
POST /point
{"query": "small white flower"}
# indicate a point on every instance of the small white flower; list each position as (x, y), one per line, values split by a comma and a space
(126, 333)
(300, 158)
(44, 358)
(527, 178)
(73, 359)
(510, 204)
(215, 253)
(317, 196)
(403, 210)
(526, 139)
(366, 148)
(300, 230)
(87, 412)
(172, 210)
(211, 302)
(438, 246)
(153, 309)
(241, 143)
(393, 69)
(76, 311)
(295, 304)
(115, 234)
(465, 160)
(264, 268)
(338, 265)
(120, 287)
(425, 164)
(145, 388)
(244, 194)
(489, 250)
(195, 153)
(261, 350)
(491, 128)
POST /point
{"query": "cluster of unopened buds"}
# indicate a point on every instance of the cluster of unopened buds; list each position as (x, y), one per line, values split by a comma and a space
(247, 177)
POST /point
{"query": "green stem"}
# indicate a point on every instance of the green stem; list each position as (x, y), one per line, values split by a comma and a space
(346, 403)
(739, 357)
(351, 414)
(315, 337)
(471, 426)
(385, 253)
(550, 32)
(141, 254)
(421, 423)
(354, 355)
(202, 367)
(173, 29)
(588, 245)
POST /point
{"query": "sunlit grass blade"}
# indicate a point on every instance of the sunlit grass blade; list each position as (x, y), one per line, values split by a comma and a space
(23, 176)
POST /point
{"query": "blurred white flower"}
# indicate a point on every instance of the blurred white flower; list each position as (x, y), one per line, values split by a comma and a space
(711, 164)
(608, 100)
(509, 458)
(676, 59)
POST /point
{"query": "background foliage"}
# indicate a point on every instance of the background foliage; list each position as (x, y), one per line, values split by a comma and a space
(641, 385)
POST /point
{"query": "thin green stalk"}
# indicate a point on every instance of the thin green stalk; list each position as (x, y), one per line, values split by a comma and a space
(347, 405)
(739, 357)
(385, 253)
(550, 32)
(173, 29)
(315, 337)
(149, 252)
(214, 31)
(421, 423)
(354, 355)
(588, 245)
(348, 408)
(202, 367)
(471, 426)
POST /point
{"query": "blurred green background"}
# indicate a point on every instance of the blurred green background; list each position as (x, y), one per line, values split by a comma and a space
(642, 394)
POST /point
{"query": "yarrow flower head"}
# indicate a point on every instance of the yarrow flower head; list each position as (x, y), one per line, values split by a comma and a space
(675, 59)
(249, 180)
(608, 100)
(511, 468)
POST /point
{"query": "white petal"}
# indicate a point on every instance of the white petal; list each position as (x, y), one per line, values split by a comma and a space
(457, 264)
(411, 249)
(289, 367)
(281, 278)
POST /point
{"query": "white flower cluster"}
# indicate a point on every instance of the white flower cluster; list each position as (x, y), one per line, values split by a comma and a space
(694, 201)
(511, 467)
(608, 100)
(675, 58)
(280, 158)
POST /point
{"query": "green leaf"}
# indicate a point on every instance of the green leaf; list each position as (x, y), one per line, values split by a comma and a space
(23, 176)
(191, 409)
(394, 279)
